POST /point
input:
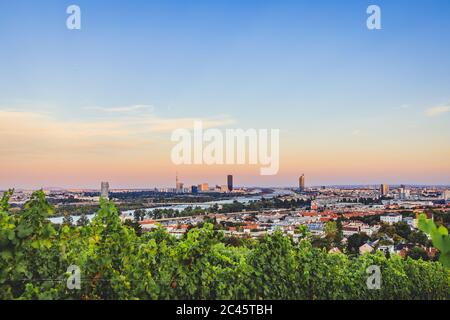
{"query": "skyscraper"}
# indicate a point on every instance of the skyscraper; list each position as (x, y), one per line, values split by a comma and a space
(403, 192)
(178, 185)
(301, 182)
(384, 190)
(105, 190)
(230, 182)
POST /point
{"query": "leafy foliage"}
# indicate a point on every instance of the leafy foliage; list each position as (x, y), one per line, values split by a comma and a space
(439, 236)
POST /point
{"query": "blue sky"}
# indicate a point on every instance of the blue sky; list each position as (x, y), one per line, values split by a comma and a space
(310, 68)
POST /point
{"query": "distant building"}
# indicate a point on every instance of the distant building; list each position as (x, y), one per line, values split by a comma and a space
(384, 190)
(178, 185)
(446, 195)
(105, 190)
(194, 189)
(301, 183)
(334, 250)
(387, 248)
(204, 187)
(230, 182)
(316, 228)
(350, 230)
(365, 248)
(391, 218)
(412, 223)
(404, 193)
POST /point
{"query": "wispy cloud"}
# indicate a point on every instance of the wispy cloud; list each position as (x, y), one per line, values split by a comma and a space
(438, 110)
(168, 125)
(142, 118)
(133, 108)
(43, 135)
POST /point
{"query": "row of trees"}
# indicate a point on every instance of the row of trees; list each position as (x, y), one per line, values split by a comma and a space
(116, 263)
(235, 206)
(161, 213)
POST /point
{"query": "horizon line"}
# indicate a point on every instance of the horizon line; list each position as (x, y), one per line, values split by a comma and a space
(237, 186)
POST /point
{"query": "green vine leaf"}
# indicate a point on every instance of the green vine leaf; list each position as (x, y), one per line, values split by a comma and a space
(439, 237)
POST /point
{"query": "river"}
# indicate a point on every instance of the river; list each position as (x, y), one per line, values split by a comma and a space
(180, 207)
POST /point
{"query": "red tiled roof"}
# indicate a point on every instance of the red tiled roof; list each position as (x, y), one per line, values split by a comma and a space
(309, 214)
(147, 222)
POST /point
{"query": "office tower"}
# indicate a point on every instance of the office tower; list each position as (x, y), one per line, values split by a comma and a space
(105, 190)
(194, 189)
(403, 193)
(301, 183)
(384, 190)
(446, 195)
(178, 185)
(204, 187)
(230, 182)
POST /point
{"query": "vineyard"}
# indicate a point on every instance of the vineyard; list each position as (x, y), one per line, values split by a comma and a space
(116, 263)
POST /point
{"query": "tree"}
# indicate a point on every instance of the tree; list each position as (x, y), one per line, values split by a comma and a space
(4, 202)
(387, 229)
(321, 243)
(135, 226)
(355, 241)
(27, 249)
(402, 229)
(303, 232)
(418, 237)
(67, 219)
(139, 215)
(333, 233)
(83, 220)
(439, 236)
(417, 253)
(331, 230)
(273, 262)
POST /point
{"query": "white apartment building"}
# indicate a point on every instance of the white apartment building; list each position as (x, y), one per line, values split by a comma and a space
(391, 219)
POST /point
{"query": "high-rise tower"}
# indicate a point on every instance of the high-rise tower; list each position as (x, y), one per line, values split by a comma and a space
(178, 185)
(384, 190)
(105, 190)
(301, 182)
(230, 182)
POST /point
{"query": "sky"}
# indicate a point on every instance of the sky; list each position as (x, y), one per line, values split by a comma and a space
(353, 105)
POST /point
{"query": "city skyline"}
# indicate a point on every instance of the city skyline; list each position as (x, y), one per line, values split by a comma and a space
(354, 106)
(204, 184)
